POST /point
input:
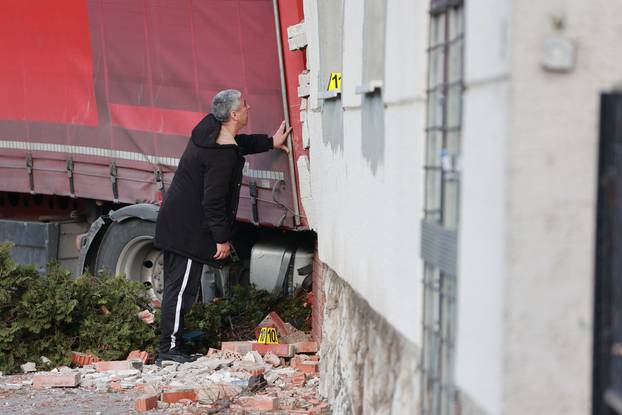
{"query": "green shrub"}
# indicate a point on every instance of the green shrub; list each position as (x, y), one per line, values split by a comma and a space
(53, 314)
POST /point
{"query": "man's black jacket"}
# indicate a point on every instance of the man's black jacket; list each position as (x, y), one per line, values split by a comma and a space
(200, 206)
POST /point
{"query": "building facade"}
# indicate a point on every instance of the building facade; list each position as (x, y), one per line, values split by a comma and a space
(452, 183)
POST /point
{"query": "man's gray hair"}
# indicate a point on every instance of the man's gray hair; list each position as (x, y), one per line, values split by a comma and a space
(224, 102)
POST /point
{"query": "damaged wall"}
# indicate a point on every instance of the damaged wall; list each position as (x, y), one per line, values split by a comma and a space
(367, 216)
(367, 213)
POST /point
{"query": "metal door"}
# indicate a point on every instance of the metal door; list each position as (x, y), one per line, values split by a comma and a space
(607, 376)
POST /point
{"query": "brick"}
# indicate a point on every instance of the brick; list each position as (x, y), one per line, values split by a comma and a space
(138, 355)
(254, 369)
(113, 365)
(299, 379)
(305, 347)
(177, 395)
(259, 402)
(56, 380)
(283, 350)
(81, 359)
(272, 359)
(295, 30)
(273, 320)
(146, 403)
(308, 366)
(146, 316)
(237, 347)
(304, 78)
(115, 386)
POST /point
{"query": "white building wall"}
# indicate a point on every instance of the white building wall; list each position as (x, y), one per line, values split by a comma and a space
(526, 236)
(368, 222)
(481, 247)
(551, 198)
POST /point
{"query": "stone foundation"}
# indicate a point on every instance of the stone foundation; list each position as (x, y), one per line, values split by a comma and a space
(366, 365)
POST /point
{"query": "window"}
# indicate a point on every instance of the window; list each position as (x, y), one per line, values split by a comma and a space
(442, 172)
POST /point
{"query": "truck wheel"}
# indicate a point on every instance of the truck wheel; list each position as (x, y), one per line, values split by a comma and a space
(127, 248)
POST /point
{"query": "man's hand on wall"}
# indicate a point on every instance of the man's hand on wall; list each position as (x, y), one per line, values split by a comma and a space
(222, 250)
(280, 137)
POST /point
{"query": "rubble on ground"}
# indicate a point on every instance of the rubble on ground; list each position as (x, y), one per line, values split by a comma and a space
(240, 378)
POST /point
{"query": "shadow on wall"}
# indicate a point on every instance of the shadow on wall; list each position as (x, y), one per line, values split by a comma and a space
(372, 130)
(332, 124)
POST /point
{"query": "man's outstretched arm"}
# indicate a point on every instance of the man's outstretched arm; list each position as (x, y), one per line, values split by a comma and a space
(258, 143)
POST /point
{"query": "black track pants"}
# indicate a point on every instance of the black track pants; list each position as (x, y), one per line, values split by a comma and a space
(182, 278)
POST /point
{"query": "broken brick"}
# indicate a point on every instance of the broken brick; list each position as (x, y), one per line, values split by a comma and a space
(138, 355)
(146, 403)
(259, 402)
(226, 354)
(273, 320)
(272, 359)
(56, 380)
(177, 395)
(305, 365)
(146, 316)
(113, 365)
(254, 369)
(115, 386)
(294, 335)
(81, 359)
(305, 347)
(299, 379)
(238, 347)
(283, 350)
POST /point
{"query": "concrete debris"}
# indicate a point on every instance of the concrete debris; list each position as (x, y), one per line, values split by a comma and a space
(271, 359)
(45, 360)
(29, 367)
(254, 357)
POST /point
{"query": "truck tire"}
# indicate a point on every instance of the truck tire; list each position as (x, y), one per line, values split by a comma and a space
(128, 248)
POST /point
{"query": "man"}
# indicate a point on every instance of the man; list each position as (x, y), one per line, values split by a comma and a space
(195, 220)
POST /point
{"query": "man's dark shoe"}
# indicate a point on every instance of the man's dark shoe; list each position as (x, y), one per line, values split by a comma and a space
(175, 356)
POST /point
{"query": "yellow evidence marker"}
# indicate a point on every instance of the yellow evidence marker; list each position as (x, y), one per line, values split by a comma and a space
(334, 83)
(268, 335)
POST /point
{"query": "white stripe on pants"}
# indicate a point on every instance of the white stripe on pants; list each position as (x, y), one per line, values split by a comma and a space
(179, 301)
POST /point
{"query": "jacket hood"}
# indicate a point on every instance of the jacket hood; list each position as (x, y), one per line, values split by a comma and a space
(206, 131)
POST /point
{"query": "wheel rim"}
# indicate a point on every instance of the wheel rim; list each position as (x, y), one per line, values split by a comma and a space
(140, 260)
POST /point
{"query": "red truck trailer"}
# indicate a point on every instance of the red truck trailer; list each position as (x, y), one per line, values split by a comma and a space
(97, 102)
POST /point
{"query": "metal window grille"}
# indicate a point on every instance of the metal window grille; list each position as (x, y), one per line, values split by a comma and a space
(442, 172)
